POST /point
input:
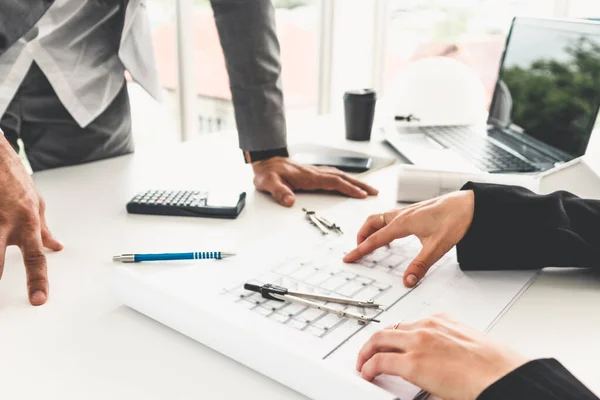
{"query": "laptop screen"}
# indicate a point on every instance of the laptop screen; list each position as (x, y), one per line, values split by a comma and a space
(549, 84)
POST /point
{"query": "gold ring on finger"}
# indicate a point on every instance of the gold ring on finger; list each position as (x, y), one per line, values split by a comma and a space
(382, 218)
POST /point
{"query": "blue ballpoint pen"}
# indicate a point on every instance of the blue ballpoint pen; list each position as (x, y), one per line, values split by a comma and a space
(198, 255)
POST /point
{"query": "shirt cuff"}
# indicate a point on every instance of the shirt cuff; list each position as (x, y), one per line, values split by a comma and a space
(478, 244)
(253, 156)
(502, 230)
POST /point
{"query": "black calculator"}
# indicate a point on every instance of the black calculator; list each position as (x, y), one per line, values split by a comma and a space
(187, 203)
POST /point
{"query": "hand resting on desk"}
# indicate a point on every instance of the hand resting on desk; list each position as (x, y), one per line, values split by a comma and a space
(280, 176)
(440, 355)
(23, 224)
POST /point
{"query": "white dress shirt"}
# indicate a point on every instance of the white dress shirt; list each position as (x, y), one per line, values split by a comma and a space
(76, 44)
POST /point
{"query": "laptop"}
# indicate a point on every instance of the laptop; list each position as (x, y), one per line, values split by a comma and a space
(545, 105)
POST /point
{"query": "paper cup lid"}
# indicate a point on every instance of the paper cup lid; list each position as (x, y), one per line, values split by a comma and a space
(363, 94)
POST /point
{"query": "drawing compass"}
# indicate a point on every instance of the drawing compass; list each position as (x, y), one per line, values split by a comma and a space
(322, 223)
(278, 293)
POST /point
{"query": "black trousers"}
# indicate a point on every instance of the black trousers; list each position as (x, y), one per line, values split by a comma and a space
(51, 136)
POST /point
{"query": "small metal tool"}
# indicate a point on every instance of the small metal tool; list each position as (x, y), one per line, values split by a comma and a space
(330, 225)
(272, 292)
(324, 225)
(310, 215)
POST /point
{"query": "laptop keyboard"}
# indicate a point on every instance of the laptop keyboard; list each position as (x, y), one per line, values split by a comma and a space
(477, 149)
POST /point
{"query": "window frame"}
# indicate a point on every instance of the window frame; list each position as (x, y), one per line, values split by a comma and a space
(188, 120)
(186, 96)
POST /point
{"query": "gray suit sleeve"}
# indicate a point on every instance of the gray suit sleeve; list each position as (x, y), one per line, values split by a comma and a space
(17, 17)
(249, 40)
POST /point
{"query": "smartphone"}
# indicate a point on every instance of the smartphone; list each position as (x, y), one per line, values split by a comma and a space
(347, 164)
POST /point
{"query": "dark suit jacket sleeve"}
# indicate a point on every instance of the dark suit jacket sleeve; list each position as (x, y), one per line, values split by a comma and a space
(17, 17)
(539, 379)
(514, 228)
(249, 41)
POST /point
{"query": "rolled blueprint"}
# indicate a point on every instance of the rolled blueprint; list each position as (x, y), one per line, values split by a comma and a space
(418, 183)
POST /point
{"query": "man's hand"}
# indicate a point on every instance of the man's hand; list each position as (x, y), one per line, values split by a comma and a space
(280, 176)
(438, 223)
(22, 223)
(444, 357)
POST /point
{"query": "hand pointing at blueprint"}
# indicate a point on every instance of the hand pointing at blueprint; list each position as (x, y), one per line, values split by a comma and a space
(438, 223)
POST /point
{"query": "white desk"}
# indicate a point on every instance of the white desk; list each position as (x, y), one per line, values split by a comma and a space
(84, 345)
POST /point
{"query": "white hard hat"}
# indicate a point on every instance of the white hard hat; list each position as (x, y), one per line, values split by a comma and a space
(439, 90)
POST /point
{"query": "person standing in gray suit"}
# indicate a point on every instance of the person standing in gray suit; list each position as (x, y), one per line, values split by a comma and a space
(63, 93)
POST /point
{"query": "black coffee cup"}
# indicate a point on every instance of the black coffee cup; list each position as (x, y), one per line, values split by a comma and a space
(359, 110)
